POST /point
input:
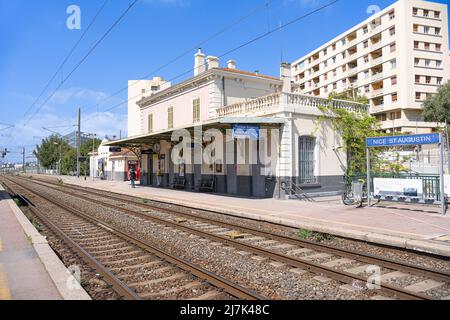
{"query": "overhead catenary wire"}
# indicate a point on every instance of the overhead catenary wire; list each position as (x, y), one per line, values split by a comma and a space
(247, 43)
(97, 43)
(259, 8)
(67, 57)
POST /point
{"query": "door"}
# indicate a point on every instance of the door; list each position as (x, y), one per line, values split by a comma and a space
(150, 170)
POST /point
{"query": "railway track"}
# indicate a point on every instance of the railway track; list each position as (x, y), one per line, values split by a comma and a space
(134, 269)
(256, 241)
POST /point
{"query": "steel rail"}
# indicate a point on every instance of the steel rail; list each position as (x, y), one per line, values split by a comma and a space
(229, 286)
(316, 268)
(360, 256)
(118, 286)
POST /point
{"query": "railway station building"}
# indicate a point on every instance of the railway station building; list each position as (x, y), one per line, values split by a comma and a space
(236, 133)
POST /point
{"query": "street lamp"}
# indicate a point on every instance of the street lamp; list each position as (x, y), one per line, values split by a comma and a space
(60, 156)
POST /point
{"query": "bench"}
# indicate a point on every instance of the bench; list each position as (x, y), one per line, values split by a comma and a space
(206, 185)
(179, 183)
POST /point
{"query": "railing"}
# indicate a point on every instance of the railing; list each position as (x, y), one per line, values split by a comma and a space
(274, 102)
(376, 93)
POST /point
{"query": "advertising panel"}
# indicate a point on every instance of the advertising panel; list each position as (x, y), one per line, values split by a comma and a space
(398, 187)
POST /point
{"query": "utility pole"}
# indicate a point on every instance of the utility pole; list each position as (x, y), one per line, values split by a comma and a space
(78, 142)
(23, 160)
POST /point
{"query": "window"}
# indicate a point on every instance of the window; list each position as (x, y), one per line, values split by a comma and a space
(343, 55)
(344, 68)
(334, 86)
(418, 96)
(439, 80)
(325, 76)
(325, 52)
(170, 118)
(427, 62)
(142, 91)
(437, 14)
(366, 44)
(438, 47)
(196, 110)
(334, 46)
(306, 150)
(416, 61)
(426, 29)
(417, 79)
(343, 42)
(334, 59)
(415, 11)
(366, 74)
(425, 13)
(366, 89)
(438, 63)
(393, 81)
(392, 47)
(437, 31)
(334, 73)
(150, 123)
(365, 29)
(366, 59)
(393, 64)
(415, 27)
(416, 44)
(427, 46)
(394, 97)
(392, 31)
(391, 15)
(427, 79)
(325, 64)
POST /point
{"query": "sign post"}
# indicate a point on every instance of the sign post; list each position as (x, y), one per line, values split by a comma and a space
(408, 140)
(441, 174)
(369, 198)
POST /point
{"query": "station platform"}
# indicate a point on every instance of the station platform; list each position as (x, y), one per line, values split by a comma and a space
(406, 226)
(29, 269)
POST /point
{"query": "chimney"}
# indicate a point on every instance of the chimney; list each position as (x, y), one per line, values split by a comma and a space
(199, 66)
(231, 64)
(212, 62)
(285, 75)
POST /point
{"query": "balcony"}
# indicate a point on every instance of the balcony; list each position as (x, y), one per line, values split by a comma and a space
(376, 76)
(377, 93)
(376, 61)
(277, 102)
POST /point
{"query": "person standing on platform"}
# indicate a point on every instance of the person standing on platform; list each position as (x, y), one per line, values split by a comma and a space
(133, 177)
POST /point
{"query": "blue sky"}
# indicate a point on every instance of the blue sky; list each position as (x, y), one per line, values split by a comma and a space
(35, 40)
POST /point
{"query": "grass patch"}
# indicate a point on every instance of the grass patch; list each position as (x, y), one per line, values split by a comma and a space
(315, 236)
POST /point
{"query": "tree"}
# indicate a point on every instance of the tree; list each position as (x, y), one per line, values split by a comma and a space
(437, 106)
(350, 95)
(48, 152)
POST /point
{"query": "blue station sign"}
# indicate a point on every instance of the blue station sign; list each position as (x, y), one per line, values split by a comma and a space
(418, 139)
(246, 131)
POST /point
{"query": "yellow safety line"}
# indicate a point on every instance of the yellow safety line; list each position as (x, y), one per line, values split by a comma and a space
(5, 294)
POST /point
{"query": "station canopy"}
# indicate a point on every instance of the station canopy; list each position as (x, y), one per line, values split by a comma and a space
(223, 123)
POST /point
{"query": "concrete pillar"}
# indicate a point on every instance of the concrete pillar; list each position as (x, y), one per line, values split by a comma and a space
(285, 75)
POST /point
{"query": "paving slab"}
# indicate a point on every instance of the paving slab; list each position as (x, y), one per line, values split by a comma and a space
(391, 225)
(29, 269)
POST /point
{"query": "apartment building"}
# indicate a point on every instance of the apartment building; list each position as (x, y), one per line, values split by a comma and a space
(396, 58)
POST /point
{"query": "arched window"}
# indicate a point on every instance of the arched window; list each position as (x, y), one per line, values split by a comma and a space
(306, 158)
